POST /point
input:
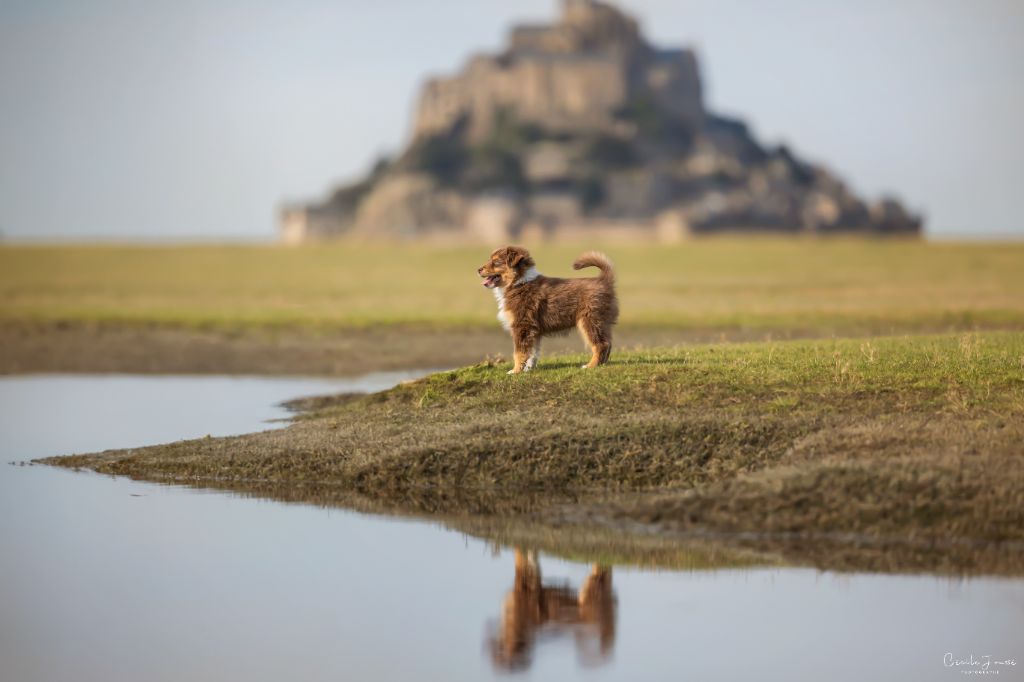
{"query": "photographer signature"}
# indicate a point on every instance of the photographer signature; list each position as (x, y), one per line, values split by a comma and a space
(977, 665)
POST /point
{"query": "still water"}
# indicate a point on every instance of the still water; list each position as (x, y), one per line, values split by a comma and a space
(109, 579)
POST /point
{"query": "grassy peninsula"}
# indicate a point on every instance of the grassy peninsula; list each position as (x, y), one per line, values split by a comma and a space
(912, 439)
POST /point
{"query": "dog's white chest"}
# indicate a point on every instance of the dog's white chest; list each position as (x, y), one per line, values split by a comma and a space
(504, 316)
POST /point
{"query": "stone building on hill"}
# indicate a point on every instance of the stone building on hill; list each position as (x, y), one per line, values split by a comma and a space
(582, 129)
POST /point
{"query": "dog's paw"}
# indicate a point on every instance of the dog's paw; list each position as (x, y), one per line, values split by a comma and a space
(584, 366)
(511, 371)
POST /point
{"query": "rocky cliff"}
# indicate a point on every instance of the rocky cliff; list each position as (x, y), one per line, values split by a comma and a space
(583, 128)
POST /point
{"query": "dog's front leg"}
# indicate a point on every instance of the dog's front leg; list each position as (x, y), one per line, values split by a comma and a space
(523, 342)
(531, 361)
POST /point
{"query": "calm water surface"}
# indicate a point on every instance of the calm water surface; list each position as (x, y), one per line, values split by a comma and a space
(110, 579)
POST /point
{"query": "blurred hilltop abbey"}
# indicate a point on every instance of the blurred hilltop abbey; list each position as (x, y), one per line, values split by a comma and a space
(582, 128)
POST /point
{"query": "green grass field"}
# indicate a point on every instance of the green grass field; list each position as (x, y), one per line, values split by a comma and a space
(808, 286)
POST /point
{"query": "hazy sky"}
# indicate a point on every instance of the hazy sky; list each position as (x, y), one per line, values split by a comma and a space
(195, 118)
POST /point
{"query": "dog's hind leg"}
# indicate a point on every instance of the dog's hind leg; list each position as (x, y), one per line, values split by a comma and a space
(599, 340)
(606, 350)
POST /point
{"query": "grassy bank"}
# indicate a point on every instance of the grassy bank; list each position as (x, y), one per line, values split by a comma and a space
(907, 440)
(796, 287)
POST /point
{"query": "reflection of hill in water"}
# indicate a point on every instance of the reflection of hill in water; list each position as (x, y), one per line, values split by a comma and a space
(583, 528)
(582, 128)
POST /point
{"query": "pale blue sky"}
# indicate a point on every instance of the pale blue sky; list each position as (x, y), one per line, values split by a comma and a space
(196, 118)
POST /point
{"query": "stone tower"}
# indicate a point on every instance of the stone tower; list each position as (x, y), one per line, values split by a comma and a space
(575, 74)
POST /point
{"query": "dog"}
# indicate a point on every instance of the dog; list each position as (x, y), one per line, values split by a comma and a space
(533, 609)
(531, 305)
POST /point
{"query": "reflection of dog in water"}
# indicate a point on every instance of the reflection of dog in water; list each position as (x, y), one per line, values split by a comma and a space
(532, 609)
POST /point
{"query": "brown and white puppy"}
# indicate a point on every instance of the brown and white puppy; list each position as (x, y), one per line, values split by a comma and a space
(531, 305)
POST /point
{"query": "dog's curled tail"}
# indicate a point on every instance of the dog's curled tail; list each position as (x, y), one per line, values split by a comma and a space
(594, 259)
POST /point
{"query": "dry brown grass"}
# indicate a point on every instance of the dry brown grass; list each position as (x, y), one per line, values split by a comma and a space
(810, 287)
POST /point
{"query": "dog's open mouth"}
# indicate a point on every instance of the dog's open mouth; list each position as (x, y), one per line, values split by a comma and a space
(491, 281)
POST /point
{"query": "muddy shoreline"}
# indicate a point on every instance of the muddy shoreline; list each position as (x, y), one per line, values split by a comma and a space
(72, 347)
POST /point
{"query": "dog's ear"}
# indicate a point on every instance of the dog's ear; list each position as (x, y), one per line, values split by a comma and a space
(515, 255)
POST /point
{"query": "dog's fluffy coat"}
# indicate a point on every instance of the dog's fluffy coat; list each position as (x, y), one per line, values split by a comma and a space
(531, 305)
